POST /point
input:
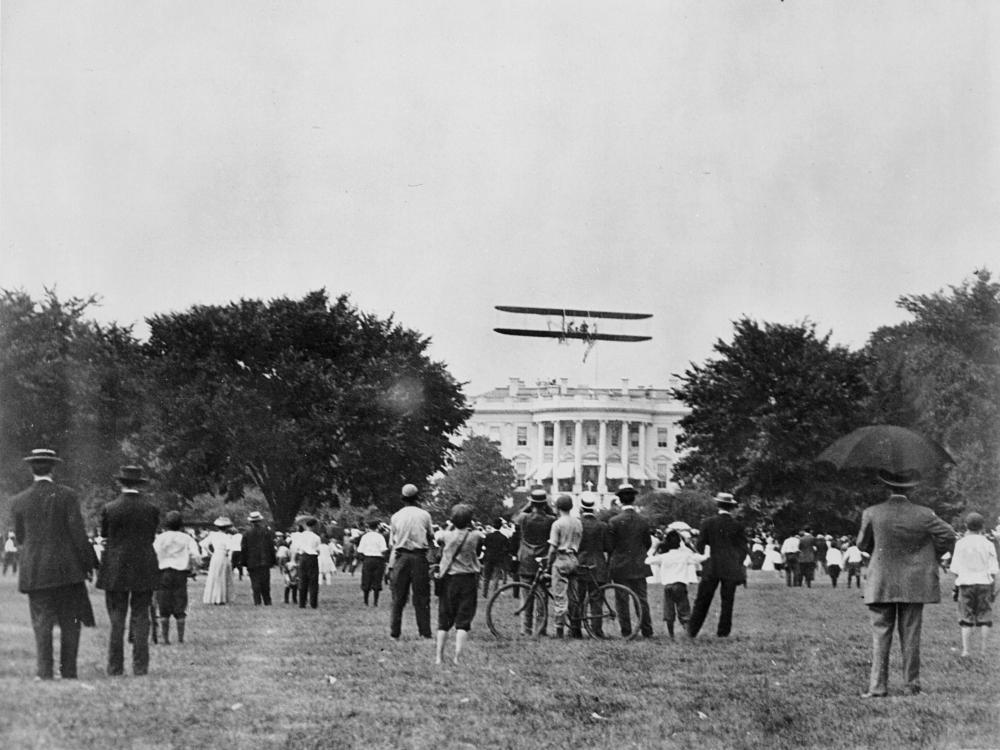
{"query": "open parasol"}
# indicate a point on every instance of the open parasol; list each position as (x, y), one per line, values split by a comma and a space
(887, 447)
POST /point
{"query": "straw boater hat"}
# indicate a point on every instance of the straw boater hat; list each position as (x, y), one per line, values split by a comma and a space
(409, 491)
(725, 500)
(131, 475)
(586, 504)
(43, 455)
(539, 496)
(255, 516)
(222, 522)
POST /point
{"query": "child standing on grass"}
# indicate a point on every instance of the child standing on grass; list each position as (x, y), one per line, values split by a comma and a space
(974, 562)
(459, 581)
(290, 572)
(676, 565)
(372, 549)
(853, 558)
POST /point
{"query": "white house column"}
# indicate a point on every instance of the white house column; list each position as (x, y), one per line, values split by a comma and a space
(641, 458)
(624, 448)
(602, 457)
(578, 457)
(555, 449)
(540, 451)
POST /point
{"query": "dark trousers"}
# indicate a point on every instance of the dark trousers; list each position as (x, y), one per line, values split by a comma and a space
(51, 607)
(807, 571)
(834, 573)
(676, 605)
(260, 584)
(908, 619)
(792, 575)
(703, 600)
(9, 561)
(638, 585)
(135, 605)
(494, 574)
(308, 580)
(410, 571)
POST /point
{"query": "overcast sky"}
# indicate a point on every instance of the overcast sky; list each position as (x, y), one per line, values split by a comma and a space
(695, 160)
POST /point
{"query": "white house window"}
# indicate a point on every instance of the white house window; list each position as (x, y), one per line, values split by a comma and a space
(495, 433)
(522, 435)
(569, 439)
(590, 434)
(662, 471)
(634, 437)
(616, 434)
(548, 435)
(662, 437)
(521, 469)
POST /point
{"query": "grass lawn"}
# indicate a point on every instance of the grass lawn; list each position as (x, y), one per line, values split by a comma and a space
(279, 677)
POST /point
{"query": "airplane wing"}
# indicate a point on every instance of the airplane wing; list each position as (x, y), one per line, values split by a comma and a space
(574, 313)
(571, 335)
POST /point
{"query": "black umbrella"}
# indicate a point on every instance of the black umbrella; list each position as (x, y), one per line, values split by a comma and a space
(887, 447)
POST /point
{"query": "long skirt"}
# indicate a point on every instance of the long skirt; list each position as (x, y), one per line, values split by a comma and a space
(219, 582)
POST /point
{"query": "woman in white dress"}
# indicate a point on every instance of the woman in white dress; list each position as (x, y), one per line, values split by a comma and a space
(326, 565)
(219, 582)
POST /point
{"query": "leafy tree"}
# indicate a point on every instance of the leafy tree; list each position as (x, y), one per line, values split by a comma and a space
(940, 375)
(762, 411)
(690, 506)
(479, 476)
(310, 401)
(67, 383)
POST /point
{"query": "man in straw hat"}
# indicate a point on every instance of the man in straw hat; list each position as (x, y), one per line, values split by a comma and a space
(56, 560)
(258, 554)
(129, 571)
(411, 534)
(534, 522)
(629, 538)
(906, 542)
(724, 542)
(592, 554)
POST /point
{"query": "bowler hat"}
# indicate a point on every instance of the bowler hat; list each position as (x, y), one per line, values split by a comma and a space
(131, 475)
(43, 455)
(627, 489)
(899, 480)
(255, 516)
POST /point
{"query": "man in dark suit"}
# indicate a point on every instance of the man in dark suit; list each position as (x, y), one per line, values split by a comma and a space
(592, 554)
(725, 542)
(629, 538)
(129, 570)
(258, 554)
(56, 560)
(495, 559)
(906, 542)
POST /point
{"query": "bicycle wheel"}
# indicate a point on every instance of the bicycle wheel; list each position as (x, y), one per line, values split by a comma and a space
(613, 612)
(515, 611)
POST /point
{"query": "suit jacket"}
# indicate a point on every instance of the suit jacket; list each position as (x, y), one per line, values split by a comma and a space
(495, 548)
(257, 546)
(594, 546)
(629, 538)
(807, 548)
(129, 563)
(728, 542)
(48, 525)
(905, 542)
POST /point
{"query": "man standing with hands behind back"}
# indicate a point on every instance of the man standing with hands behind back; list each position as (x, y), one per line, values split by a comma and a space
(725, 542)
(129, 570)
(56, 560)
(906, 541)
(629, 537)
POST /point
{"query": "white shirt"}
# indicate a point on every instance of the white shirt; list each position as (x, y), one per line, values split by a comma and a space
(372, 544)
(10, 545)
(974, 560)
(853, 554)
(306, 543)
(175, 550)
(834, 557)
(676, 566)
(790, 546)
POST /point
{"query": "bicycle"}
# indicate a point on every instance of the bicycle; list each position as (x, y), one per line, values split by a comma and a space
(521, 610)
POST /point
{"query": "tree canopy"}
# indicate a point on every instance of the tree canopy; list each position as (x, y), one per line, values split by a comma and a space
(940, 375)
(478, 475)
(761, 412)
(308, 400)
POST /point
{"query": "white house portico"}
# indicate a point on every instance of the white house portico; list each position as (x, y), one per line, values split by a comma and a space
(581, 439)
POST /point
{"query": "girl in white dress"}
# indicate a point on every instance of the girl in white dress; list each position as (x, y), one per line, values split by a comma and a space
(326, 564)
(219, 581)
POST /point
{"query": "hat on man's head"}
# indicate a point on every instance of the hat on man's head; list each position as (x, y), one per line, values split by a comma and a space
(627, 490)
(222, 522)
(409, 490)
(587, 504)
(43, 455)
(255, 516)
(539, 496)
(899, 480)
(131, 475)
(726, 500)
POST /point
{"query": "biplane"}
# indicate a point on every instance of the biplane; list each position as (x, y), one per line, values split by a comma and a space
(564, 324)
